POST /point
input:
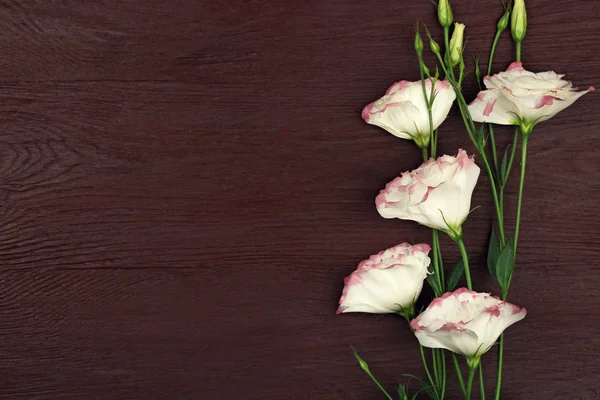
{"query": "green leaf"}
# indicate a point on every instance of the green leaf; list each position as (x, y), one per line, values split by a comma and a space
(505, 264)
(493, 253)
(455, 275)
(432, 279)
(425, 386)
(402, 392)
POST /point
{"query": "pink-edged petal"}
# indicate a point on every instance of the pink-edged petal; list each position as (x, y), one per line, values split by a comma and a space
(492, 107)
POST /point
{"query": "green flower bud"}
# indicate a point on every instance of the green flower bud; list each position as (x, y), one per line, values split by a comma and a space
(445, 13)
(519, 20)
(503, 22)
(435, 47)
(418, 43)
(456, 44)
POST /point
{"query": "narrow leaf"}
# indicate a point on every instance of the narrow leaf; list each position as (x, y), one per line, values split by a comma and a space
(402, 392)
(434, 283)
(505, 264)
(493, 253)
(455, 275)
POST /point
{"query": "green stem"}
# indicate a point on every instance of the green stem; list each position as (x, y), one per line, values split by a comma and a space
(519, 51)
(426, 367)
(470, 383)
(481, 382)
(424, 153)
(379, 385)
(443, 359)
(428, 99)
(494, 152)
(459, 374)
(499, 368)
(465, 257)
(496, 38)
(436, 370)
(495, 196)
(521, 185)
(437, 251)
(513, 151)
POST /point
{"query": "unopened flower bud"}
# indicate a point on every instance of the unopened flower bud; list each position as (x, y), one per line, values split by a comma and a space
(445, 13)
(456, 44)
(519, 20)
(418, 43)
(503, 22)
(435, 47)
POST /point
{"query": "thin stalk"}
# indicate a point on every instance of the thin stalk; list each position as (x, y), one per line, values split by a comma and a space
(463, 253)
(519, 51)
(450, 71)
(521, 185)
(443, 359)
(426, 367)
(481, 383)
(494, 152)
(379, 385)
(512, 156)
(436, 369)
(424, 154)
(496, 38)
(459, 374)
(437, 249)
(499, 368)
(470, 383)
(499, 215)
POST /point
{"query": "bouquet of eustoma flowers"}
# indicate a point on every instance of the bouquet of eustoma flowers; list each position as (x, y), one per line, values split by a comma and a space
(460, 325)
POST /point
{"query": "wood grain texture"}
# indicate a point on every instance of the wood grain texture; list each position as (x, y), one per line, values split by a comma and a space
(184, 185)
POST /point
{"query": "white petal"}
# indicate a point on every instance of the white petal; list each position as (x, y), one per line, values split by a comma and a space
(492, 107)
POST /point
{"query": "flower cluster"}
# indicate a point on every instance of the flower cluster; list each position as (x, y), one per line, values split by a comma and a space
(438, 195)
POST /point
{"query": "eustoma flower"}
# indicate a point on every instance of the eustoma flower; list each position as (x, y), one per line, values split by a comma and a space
(465, 322)
(403, 110)
(437, 194)
(520, 97)
(387, 282)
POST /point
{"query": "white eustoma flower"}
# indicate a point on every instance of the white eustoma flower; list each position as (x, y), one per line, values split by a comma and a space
(465, 322)
(437, 194)
(387, 282)
(520, 97)
(403, 110)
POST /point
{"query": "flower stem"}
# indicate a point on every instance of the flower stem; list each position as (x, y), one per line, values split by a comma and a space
(465, 258)
(517, 225)
(494, 152)
(520, 198)
(499, 368)
(437, 251)
(424, 153)
(379, 385)
(470, 383)
(443, 362)
(519, 51)
(426, 367)
(459, 374)
(481, 382)
(496, 38)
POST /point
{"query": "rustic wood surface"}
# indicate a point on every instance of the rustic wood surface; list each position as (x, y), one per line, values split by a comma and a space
(184, 184)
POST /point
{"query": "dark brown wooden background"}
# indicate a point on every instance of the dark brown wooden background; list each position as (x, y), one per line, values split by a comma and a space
(184, 184)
